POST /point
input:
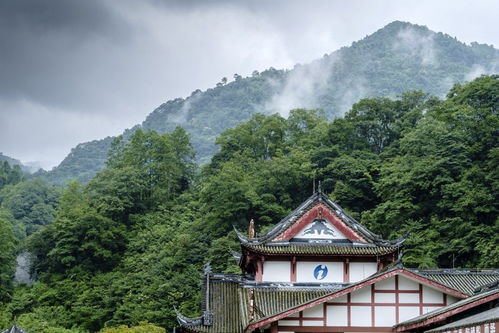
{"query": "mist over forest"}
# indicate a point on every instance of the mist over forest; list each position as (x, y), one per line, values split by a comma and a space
(401, 127)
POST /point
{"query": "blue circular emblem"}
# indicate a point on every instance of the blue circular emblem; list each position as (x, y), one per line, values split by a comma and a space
(320, 272)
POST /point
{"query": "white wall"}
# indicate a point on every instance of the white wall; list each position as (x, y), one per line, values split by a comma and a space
(431, 295)
(361, 316)
(384, 316)
(337, 315)
(361, 270)
(407, 284)
(305, 271)
(276, 271)
(408, 312)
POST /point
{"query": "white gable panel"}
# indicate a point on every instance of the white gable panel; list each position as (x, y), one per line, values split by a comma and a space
(320, 229)
(431, 295)
(362, 295)
(407, 284)
(386, 284)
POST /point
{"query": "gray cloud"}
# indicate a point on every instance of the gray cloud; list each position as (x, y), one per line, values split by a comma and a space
(73, 71)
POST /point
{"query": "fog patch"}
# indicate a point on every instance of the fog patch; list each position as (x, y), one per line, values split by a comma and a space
(302, 87)
(23, 268)
(417, 44)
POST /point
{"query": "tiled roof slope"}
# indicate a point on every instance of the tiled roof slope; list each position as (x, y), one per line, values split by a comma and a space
(294, 248)
(229, 299)
(478, 319)
(224, 300)
(464, 280)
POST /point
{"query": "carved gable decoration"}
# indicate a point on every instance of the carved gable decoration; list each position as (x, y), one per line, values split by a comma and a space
(320, 229)
(320, 222)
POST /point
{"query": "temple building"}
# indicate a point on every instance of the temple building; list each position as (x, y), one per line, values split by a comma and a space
(319, 270)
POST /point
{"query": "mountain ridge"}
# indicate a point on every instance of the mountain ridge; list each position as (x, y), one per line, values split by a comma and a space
(398, 57)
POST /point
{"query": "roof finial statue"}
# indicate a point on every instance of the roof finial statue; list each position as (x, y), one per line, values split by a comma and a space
(320, 188)
(251, 229)
(207, 268)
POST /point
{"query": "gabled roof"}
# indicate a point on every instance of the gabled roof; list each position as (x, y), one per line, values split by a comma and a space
(484, 317)
(278, 239)
(448, 311)
(382, 275)
(465, 280)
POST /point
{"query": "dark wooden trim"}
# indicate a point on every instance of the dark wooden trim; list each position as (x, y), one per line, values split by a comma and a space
(397, 299)
(373, 313)
(349, 310)
(346, 270)
(420, 299)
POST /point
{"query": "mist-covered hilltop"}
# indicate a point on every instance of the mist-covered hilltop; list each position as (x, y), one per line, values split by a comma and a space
(399, 57)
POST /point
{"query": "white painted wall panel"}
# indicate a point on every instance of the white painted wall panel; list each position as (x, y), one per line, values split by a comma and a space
(384, 316)
(276, 271)
(337, 315)
(431, 295)
(408, 298)
(316, 311)
(408, 312)
(451, 299)
(407, 284)
(361, 316)
(319, 271)
(313, 323)
(289, 322)
(362, 295)
(386, 284)
(361, 270)
(384, 297)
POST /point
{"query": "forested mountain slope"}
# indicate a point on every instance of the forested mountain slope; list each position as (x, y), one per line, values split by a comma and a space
(399, 57)
(129, 246)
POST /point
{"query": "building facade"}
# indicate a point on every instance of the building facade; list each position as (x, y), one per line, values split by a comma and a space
(319, 270)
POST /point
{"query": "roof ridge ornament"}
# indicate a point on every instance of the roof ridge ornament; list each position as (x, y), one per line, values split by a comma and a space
(251, 229)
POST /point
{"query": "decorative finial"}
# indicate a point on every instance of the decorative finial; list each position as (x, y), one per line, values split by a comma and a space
(320, 187)
(319, 213)
(207, 268)
(251, 229)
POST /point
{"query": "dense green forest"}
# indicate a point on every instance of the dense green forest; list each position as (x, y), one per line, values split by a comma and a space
(399, 57)
(124, 249)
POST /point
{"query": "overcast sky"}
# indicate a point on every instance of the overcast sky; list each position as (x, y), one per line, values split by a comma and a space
(73, 71)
